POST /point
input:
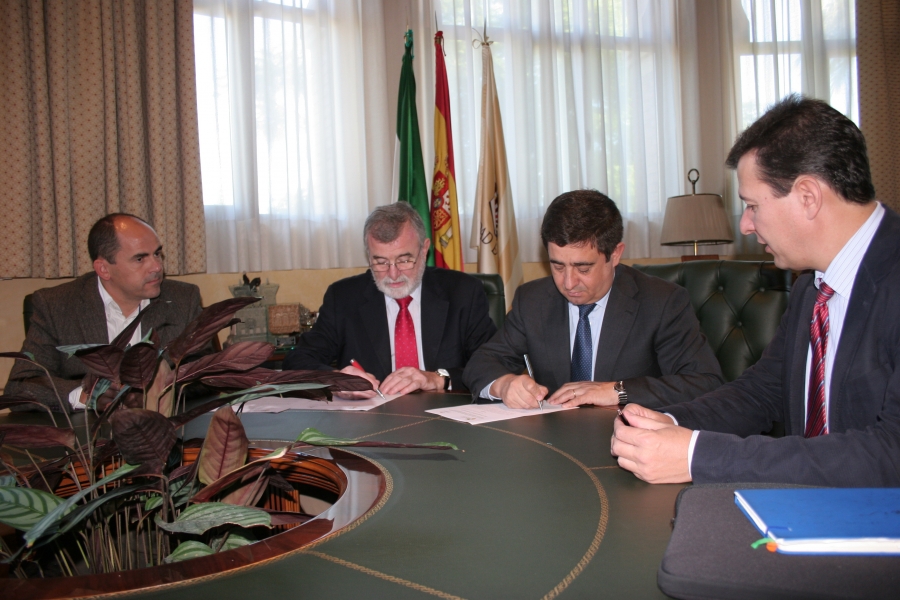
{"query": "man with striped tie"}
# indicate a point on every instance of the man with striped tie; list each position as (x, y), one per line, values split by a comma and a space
(596, 331)
(832, 372)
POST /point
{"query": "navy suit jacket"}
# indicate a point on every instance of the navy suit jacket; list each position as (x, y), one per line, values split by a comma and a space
(352, 323)
(862, 448)
(650, 338)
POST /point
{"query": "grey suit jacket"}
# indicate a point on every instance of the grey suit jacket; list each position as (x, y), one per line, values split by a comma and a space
(650, 338)
(73, 313)
(862, 448)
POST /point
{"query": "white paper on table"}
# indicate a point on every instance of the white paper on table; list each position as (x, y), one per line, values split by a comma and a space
(274, 404)
(476, 414)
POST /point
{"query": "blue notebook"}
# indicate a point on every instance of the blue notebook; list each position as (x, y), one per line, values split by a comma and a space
(826, 520)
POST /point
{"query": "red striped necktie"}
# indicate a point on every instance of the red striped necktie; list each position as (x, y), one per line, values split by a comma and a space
(406, 351)
(816, 423)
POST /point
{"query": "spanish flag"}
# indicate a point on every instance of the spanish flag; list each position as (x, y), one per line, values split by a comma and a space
(444, 212)
(494, 219)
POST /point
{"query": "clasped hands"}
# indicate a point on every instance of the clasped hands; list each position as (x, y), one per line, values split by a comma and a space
(402, 381)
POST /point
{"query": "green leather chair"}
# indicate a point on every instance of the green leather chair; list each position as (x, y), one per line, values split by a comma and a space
(739, 305)
(493, 287)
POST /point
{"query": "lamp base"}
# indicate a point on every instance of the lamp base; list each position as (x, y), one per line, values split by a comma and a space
(689, 257)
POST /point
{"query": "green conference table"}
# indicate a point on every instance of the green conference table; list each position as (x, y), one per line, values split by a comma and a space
(533, 507)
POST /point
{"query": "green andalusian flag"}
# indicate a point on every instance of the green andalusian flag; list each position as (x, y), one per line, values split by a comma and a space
(412, 170)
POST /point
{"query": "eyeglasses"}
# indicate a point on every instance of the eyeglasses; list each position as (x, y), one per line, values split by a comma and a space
(403, 264)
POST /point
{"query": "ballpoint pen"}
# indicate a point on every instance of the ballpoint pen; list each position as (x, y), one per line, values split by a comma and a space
(531, 374)
(356, 364)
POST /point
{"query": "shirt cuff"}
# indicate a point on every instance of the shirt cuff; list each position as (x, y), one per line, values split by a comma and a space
(486, 393)
(75, 398)
(690, 457)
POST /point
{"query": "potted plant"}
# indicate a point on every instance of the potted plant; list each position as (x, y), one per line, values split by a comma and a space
(124, 493)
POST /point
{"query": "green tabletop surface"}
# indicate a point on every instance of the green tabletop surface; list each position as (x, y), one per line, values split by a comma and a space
(533, 507)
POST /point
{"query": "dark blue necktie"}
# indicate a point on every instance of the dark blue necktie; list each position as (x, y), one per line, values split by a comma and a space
(581, 353)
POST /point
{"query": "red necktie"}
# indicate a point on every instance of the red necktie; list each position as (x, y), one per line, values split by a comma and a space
(818, 338)
(406, 352)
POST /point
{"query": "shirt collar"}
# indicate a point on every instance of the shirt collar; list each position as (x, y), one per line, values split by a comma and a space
(841, 273)
(110, 305)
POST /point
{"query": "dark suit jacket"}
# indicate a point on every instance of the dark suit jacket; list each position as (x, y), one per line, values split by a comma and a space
(650, 338)
(863, 446)
(352, 323)
(73, 313)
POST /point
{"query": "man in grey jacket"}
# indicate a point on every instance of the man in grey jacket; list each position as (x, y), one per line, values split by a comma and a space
(94, 308)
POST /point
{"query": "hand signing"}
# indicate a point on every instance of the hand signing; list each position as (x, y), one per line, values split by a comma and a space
(518, 391)
(651, 446)
(409, 379)
(576, 393)
(351, 370)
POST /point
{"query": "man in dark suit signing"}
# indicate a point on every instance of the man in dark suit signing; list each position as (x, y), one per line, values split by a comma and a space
(596, 332)
(409, 327)
(93, 309)
(832, 372)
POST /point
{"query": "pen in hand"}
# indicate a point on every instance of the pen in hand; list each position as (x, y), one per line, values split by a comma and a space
(356, 364)
(531, 374)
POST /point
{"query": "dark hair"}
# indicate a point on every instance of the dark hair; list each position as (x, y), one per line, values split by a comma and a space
(386, 222)
(103, 242)
(802, 136)
(583, 216)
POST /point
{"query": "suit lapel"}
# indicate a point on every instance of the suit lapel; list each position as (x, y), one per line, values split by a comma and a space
(556, 336)
(434, 307)
(92, 312)
(618, 319)
(373, 315)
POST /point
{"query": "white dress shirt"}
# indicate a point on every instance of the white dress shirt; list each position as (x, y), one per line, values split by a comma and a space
(415, 311)
(115, 323)
(840, 275)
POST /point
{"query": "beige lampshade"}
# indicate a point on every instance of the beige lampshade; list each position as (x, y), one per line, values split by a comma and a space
(695, 219)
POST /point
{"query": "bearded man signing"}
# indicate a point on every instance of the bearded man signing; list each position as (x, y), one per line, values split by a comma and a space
(410, 327)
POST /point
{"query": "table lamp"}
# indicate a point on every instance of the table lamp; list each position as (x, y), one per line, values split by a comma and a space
(695, 219)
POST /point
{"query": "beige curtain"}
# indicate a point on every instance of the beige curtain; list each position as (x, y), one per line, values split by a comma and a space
(878, 51)
(99, 115)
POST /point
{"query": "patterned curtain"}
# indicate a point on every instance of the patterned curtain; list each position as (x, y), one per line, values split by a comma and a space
(99, 115)
(878, 49)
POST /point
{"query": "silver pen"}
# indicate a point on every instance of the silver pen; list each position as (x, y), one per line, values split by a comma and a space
(531, 374)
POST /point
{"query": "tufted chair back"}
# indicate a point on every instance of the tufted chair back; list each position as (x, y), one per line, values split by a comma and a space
(739, 305)
(493, 287)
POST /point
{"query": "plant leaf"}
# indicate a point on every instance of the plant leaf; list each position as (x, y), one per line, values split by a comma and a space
(200, 518)
(163, 403)
(51, 520)
(237, 357)
(314, 437)
(225, 447)
(335, 379)
(7, 481)
(102, 361)
(236, 538)
(251, 469)
(139, 365)
(21, 508)
(122, 340)
(36, 436)
(208, 323)
(143, 436)
(187, 550)
(249, 493)
(83, 511)
(71, 349)
(240, 396)
(18, 355)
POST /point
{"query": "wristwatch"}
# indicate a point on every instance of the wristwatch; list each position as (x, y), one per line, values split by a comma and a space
(619, 387)
(448, 386)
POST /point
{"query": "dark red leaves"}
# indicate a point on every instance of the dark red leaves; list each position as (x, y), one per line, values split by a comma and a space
(36, 436)
(199, 331)
(239, 357)
(143, 436)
